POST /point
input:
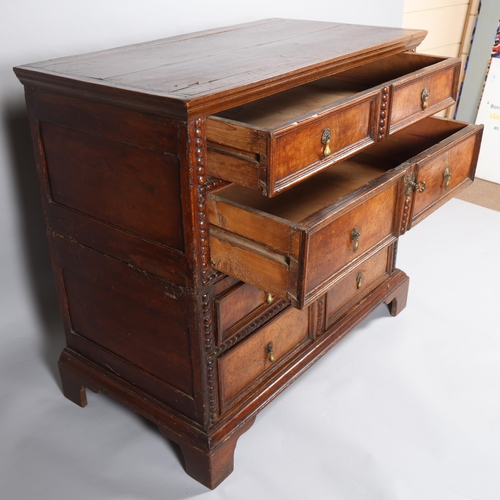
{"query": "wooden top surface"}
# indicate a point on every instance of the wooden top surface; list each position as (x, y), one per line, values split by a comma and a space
(212, 70)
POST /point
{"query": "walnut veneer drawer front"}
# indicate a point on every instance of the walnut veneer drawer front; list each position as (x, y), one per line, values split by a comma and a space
(238, 306)
(257, 355)
(447, 168)
(442, 156)
(276, 142)
(354, 284)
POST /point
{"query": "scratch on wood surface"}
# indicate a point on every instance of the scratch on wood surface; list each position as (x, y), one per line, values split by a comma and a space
(174, 292)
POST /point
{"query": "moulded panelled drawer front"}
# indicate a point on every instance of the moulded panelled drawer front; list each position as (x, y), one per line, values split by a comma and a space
(274, 158)
(446, 171)
(361, 229)
(261, 352)
(300, 150)
(237, 305)
(356, 283)
(423, 94)
(275, 142)
(295, 245)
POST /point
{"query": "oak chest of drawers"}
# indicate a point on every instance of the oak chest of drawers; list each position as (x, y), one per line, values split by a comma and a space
(223, 207)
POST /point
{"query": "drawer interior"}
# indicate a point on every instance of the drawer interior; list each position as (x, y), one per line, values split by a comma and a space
(288, 106)
(415, 139)
(313, 194)
(333, 184)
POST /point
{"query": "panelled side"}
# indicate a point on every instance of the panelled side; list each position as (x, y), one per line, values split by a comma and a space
(117, 203)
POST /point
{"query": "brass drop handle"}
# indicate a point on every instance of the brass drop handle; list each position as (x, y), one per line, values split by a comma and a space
(425, 98)
(325, 139)
(269, 298)
(447, 178)
(355, 237)
(359, 280)
(270, 352)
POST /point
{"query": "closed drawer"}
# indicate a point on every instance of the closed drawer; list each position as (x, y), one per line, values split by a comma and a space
(276, 142)
(262, 352)
(355, 284)
(298, 244)
(239, 306)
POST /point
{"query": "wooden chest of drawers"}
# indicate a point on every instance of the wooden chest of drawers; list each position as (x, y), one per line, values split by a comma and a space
(223, 207)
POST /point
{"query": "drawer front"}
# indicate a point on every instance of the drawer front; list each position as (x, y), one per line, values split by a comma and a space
(259, 355)
(356, 283)
(334, 246)
(310, 146)
(423, 95)
(441, 175)
(238, 306)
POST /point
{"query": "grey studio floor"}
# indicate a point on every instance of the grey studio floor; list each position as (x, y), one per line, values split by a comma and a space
(403, 408)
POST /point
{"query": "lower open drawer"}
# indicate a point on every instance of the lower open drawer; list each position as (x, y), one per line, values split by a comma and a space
(297, 244)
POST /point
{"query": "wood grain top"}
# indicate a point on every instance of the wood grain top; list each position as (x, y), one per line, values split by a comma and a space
(212, 70)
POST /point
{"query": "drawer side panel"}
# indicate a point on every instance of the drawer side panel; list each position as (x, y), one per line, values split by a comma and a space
(251, 262)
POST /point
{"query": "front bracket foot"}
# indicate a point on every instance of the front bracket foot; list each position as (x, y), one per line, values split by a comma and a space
(396, 301)
(209, 466)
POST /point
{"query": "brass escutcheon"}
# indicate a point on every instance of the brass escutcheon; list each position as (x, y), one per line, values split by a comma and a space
(355, 237)
(270, 352)
(420, 186)
(359, 280)
(325, 139)
(425, 98)
(412, 185)
(447, 178)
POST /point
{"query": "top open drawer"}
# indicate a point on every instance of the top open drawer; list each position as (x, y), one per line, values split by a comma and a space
(276, 142)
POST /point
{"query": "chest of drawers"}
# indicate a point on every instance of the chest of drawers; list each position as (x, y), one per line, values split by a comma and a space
(223, 207)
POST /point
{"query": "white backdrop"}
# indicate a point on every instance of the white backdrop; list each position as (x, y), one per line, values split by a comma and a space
(32, 31)
(404, 408)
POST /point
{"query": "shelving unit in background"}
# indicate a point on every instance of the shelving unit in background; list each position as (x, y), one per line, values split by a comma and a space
(450, 24)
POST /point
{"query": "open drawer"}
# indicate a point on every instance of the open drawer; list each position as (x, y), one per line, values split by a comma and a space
(442, 170)
(301, 243)
(276, 142)
(442, 158)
